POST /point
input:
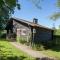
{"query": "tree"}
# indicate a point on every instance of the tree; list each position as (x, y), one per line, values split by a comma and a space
(54, 17)
(57, 14)
(58, 3)
(59, 26)
(37, 3)
(6, 9)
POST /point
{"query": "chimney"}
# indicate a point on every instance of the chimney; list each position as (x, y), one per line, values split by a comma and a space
(35, 20)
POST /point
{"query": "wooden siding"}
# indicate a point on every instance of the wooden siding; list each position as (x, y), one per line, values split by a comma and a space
(17, 25)
(42, 34)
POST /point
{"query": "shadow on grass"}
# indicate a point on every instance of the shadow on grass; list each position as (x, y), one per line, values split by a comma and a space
(3, 39)
(12, 58)
(45, 58)
(56, 43)
(56, 48)
(9, 40)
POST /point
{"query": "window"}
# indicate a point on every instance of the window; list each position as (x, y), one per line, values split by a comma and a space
(23, 32)
(34, 30)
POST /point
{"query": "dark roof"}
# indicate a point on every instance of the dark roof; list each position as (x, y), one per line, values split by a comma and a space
(30, 23)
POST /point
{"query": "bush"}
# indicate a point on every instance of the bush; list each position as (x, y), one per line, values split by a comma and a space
(56, 39)
(38, 47)
(21, 40)
(2, 34)
(48, 44)
(14, 35)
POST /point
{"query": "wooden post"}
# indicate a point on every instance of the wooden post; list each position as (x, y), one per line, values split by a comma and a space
(18, 35)
(34, 31)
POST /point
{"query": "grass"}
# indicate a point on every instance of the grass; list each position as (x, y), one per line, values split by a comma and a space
(57, 32)
(52, 53)
(9, 52)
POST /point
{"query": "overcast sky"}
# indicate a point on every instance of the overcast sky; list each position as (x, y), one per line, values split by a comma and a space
(29, 11)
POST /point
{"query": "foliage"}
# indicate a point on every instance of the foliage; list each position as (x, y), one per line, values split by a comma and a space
(56, 39)
(9, 52)
(23, 40)
(57, 32)
(58, 3)
(2, 34)
(6, 9)
(54, 52)
(38, 47)
(37, 3)
(56, 15)
(48, 44)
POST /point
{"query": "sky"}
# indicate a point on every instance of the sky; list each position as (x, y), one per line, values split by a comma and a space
(29, 11)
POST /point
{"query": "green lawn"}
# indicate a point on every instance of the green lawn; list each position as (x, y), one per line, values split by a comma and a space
(52, 53)
(9, 52)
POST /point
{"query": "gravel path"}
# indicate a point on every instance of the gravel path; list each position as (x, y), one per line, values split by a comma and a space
(31, 52)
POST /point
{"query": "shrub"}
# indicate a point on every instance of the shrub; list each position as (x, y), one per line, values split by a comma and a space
(38, 47)
(14, 35)
(56, 39)
(2, 34)
(21, 40)
(47, 44)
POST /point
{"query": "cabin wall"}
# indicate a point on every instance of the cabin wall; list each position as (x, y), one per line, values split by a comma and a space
(43, 34)
(25, 32)
(21, 30)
